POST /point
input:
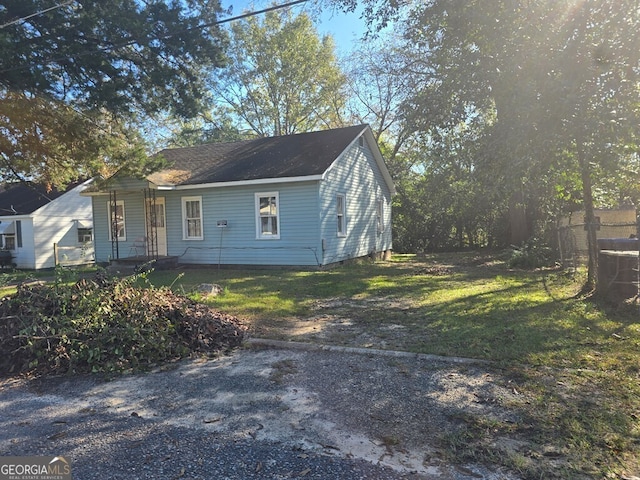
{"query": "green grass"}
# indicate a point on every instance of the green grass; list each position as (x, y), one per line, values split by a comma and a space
(474, 310)
(9, 279)
(575, 360)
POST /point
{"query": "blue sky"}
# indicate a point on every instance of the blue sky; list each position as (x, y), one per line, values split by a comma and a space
(345, 28)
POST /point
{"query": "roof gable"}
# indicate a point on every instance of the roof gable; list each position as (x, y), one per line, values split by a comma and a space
(24, 198)
(289, 156)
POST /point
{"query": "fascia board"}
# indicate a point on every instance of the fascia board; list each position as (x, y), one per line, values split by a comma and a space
(242, 183)
(380, 161)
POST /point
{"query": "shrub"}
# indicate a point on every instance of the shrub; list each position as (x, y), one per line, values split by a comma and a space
(532, 254)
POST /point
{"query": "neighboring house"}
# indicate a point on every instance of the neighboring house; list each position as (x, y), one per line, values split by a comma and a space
(610, 223)
(34, 218)
(310, 199)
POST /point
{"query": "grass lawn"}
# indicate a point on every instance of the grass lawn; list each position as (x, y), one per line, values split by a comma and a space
(574, 361)
(10, 277)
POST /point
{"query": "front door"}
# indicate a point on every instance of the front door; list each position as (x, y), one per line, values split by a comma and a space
(156, 227)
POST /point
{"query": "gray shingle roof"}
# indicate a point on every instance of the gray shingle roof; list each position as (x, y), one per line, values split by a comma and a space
(24, 198)
(301, 155)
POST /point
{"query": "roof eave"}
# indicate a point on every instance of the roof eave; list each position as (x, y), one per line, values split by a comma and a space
(380, 161)
(18, 216)
(237, 183)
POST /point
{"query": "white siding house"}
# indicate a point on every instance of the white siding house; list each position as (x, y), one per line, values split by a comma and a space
(33, 219)
(310, 199)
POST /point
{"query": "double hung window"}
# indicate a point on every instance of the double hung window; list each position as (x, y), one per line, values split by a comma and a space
(85, 235)
(10, 242)
(192, 218)
(267, 215)
(380, 216)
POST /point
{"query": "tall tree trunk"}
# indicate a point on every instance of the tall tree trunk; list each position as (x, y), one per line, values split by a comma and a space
(590, 219)
(518, 218)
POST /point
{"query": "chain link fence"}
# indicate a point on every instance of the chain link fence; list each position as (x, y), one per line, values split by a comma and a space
(572, 232)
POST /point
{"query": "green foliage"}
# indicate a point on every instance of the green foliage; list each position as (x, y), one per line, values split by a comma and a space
(215, 126)
(105, 326)
(55, 144)
(559, 82)
(118, 55)
(539, 100)
(449, 202)
(282, 77)
(532, 254)
(74, 78)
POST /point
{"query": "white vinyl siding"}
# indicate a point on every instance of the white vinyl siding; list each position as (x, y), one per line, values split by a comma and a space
(192, 218)
(357, 176)
(57, 222)
(267, 216)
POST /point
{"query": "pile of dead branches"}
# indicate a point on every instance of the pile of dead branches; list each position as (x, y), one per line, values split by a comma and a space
(105, 326)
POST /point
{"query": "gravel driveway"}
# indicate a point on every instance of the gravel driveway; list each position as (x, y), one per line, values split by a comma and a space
(256, 414)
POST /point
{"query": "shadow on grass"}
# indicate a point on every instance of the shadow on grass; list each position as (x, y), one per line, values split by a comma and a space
(573, 360)
(477, 308)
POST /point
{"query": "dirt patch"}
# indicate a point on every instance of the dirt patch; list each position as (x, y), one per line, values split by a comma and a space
(436, 270)
(375, 320)
(343, 321)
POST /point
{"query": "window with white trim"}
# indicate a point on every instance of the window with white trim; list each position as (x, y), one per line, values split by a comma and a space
(267, 215)
(192, 218)
(380, 216)
(85, 235)
(117, 221)
(340, 213)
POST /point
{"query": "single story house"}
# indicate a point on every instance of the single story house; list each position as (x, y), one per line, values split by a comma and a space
(42, 227)
(310, 199)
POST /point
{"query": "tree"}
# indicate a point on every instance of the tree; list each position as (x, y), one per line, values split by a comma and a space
(213, 126)
(377, 88)
(55, 144)
(282, 78)
(91, 67)
(560, 79)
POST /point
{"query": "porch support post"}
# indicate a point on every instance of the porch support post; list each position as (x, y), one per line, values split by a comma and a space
(113, 220)
(151, 222)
